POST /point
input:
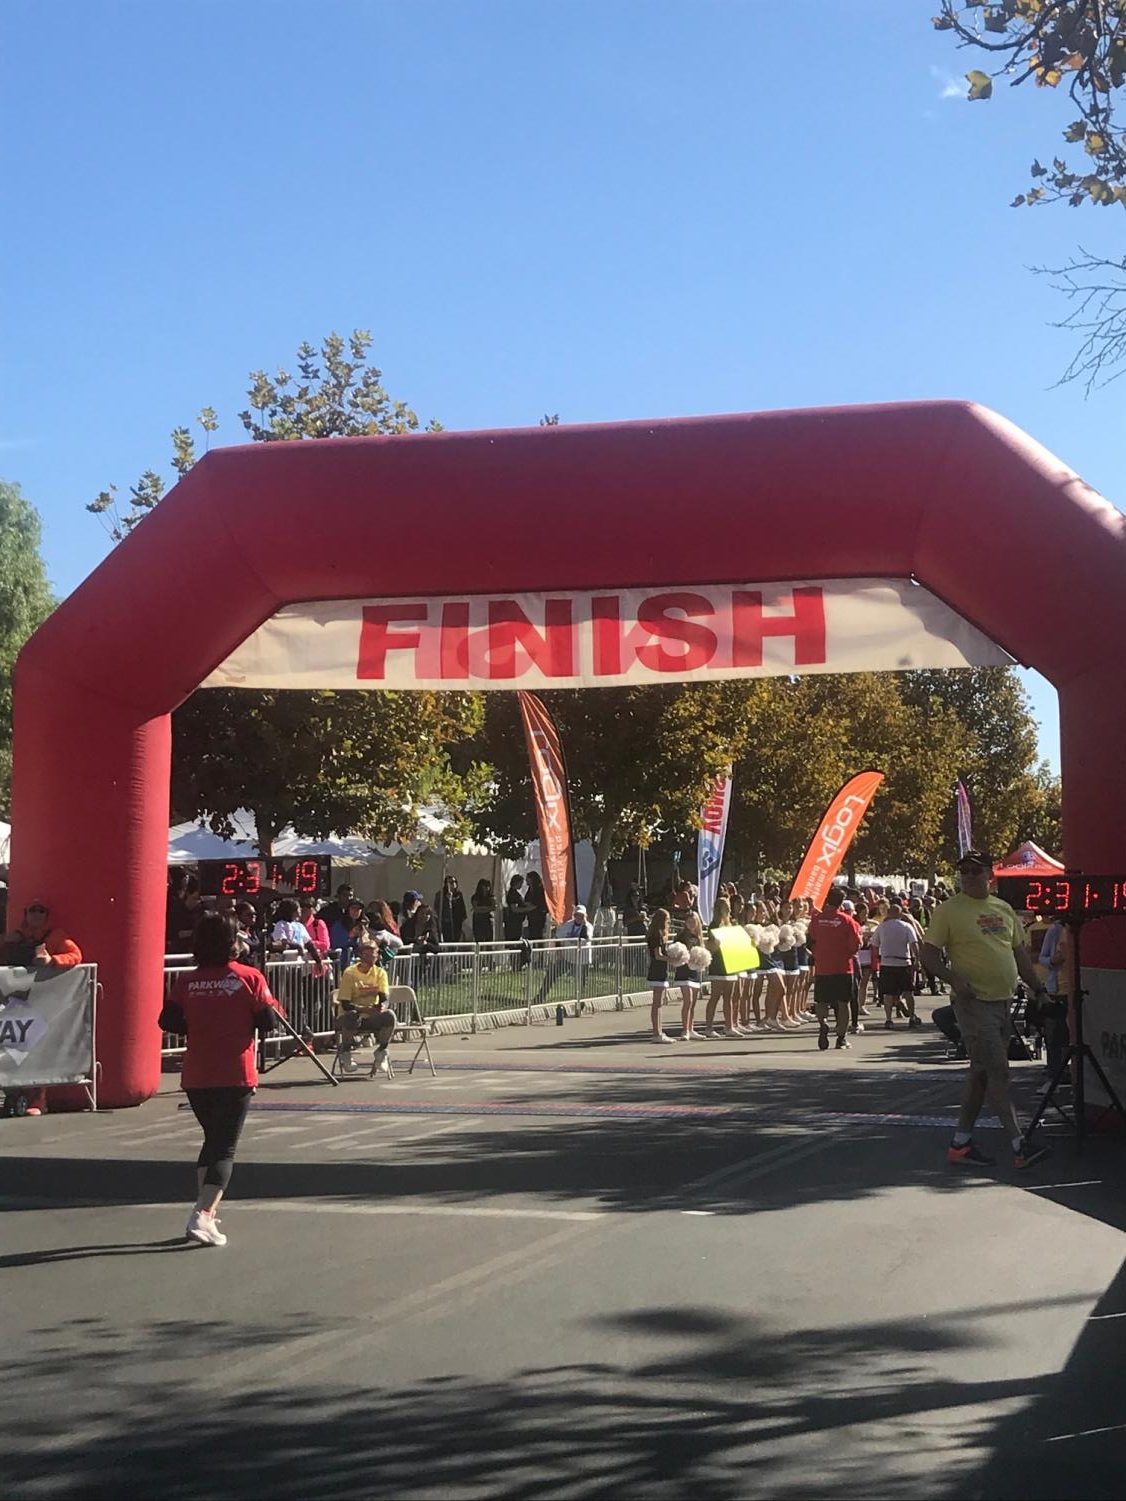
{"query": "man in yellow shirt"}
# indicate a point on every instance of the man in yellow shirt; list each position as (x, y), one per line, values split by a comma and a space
(361, 1007)
(985, 953)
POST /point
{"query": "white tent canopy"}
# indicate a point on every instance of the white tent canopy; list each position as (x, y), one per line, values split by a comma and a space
(190, 842)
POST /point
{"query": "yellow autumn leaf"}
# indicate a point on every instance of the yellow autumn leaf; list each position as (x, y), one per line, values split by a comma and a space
(981, 85)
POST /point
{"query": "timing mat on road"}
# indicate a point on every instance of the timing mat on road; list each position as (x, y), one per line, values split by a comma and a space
(380, 1107)
(676, 1066)
(614, 1112)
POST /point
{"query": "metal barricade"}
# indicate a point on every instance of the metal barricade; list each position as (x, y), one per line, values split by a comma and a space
(305, 994)
(464, 980)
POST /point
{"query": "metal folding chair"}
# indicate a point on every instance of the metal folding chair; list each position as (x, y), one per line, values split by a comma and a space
(403, 1002)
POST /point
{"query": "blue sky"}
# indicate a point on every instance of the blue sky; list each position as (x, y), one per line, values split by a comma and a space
(604, 208)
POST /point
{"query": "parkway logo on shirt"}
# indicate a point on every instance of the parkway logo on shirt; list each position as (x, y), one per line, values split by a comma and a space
(227, 985)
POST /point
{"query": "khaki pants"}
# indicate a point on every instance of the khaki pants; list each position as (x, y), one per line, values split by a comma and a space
(986, 1029)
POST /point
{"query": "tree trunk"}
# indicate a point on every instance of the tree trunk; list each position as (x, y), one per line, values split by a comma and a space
(266, 830)
(601, 856)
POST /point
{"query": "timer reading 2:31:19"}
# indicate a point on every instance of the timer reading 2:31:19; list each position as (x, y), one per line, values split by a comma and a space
(301, 876)
(1065, 896)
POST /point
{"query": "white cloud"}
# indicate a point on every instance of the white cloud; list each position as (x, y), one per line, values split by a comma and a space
(949, 86)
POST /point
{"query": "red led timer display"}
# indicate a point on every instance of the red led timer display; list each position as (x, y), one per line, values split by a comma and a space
(1070, 896)
(308, 876)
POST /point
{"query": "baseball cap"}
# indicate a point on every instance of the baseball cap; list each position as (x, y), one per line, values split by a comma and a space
(848, 906)
(580, 908)
(976, 857)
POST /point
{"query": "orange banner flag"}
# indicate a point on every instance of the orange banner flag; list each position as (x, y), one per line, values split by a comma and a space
(834, 835)
(553, 811)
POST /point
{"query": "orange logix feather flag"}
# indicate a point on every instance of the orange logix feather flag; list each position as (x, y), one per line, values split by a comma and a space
(553, 808)
(834, 835)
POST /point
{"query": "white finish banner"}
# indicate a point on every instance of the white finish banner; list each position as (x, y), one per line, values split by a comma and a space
(608, 637)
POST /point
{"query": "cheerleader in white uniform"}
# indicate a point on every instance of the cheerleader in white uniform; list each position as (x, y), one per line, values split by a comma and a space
(657, 939)
(691, 960)
(774, 984)
(800, 925)
(750, 1013)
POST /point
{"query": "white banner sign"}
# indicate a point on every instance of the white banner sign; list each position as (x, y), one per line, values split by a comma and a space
(46, 1026)
(607, 637)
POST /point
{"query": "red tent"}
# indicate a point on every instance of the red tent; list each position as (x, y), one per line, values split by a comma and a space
(1028, 859)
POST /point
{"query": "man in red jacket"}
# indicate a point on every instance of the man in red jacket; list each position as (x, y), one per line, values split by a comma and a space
(38, 941)
(834, 937)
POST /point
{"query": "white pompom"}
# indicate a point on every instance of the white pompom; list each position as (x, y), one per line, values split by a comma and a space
(768, 941)
(786, 939)
(677, 955)
(754, 932)
(698, 958)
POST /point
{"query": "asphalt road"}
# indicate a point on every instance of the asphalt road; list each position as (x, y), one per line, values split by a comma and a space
(573, 1264)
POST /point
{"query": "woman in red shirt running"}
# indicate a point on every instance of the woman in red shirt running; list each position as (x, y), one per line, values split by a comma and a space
(222, 1007)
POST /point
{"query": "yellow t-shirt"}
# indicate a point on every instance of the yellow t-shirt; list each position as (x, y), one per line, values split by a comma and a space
(980, 938)
(362, 989)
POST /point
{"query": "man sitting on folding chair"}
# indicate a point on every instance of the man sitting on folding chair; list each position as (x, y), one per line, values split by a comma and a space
(362, 1010)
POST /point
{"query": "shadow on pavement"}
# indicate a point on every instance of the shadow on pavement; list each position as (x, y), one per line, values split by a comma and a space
(854, 1133)
(721, 1407)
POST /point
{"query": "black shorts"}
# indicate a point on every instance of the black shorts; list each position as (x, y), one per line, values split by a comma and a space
(896, 979)
(832, 990)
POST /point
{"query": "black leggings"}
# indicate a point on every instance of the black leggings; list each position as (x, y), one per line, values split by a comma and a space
(221, 1113)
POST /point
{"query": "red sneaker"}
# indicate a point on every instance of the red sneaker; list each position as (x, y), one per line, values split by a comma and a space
(969, 1153)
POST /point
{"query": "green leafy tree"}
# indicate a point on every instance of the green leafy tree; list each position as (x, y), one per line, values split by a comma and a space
(998, 758)
(356, 762)
(325, 762)
(809, 736)
(639, 760)
(1078, 46)
(25, 602)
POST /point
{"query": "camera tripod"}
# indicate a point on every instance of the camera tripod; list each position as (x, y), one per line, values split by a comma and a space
(1078, 1050)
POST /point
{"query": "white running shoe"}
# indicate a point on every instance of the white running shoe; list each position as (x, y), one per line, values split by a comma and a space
(661, 1037)
(712, 1033)
(775, 1026)
(204, 1229)
(693, 1037)
(381, 1063)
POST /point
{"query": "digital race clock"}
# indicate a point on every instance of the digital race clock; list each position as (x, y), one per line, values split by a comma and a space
(297, 875)
(1069, 897)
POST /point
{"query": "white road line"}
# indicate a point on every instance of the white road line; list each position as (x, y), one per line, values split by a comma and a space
(1097, 1318)
(1058, 1438)
(343, 1143)
(452, 1211)
(442, 1130)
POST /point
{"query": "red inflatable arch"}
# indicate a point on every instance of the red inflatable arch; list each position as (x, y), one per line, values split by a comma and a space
(945, 492)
